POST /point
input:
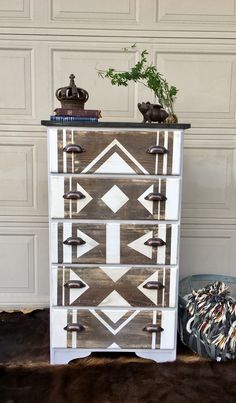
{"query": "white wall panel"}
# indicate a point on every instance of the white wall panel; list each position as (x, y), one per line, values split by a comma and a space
(207, 250)
(191, 10)
(42, 42)
(206, 83)
(23, 177)
(16, 82)
(113, 101)
(15, 9)
(24, 265)
(24, 96)
(106, 10)
(209, 183)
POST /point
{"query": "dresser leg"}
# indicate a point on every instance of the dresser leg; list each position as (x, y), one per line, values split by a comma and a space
(158, 356)
(64, 356)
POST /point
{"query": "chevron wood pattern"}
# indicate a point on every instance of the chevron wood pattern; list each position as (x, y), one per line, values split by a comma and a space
(115, 152)
(102, 328)
(111, 286)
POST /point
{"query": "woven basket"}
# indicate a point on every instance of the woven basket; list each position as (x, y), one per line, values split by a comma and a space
(196, 342)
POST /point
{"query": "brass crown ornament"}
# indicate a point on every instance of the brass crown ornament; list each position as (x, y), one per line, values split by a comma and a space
(72, 97)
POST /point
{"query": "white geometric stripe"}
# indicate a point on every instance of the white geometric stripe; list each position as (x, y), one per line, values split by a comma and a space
(115, 273)
(76, 292)
(154, 335)
(146, 203)
(90, 244)
(67, 250)
(176, 153)
(172, 202)
(114, 345)
(114, 331)
(112, 144)
(81, 203)
(156, 158)
(114, 299)
(174, 243)
(64, 156)
(115, 165)
(139, 246)
(115, 315)
(53, 160)
(161, 254)
(165, 156)
(150, 294)
(115, 198)
(113, 243)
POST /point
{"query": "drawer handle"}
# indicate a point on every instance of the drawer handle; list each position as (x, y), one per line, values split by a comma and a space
(155, 197)
(155, 242)
(157, 150)
(74, 284)
(74, 241)
(153, 328)
(74, 327)
(74, 195)
(73, 148)
(154, 285)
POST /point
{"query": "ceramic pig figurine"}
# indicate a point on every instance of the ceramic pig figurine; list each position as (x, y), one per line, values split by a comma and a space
(152, 112)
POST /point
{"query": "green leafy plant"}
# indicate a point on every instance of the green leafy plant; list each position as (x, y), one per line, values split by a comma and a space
(147, 75)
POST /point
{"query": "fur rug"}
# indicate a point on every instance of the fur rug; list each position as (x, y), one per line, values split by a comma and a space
(26, 377)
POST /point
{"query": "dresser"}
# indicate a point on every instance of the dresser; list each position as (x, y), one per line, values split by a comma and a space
(114, 225)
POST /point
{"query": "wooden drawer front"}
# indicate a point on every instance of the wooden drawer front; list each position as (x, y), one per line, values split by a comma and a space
(121, 152)
(112, 198)
(103, 328)
(114, 286)
(113, 243)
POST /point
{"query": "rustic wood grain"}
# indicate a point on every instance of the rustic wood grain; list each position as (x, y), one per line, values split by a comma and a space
(97, 208)
(101, 285)
(96, 335)
(94, 142)
(128, 233)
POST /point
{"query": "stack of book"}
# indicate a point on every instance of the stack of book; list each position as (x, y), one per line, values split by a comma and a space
(76, 115)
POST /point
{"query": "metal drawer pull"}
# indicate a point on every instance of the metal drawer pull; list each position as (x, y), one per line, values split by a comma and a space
(74, 241)
(74, 327)
(73, 148)
(154, 285)
(153, 328)
(74, 284)
(76, 195)
(155, 242)
(155, 197)
(156, 150)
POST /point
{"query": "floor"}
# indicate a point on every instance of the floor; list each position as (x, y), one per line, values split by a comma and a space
(26, 376)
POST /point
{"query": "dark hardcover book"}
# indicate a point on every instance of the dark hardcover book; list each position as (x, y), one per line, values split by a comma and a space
(91, 113)
(72, 119)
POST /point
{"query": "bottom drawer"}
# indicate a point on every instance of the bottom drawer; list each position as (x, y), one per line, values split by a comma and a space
(113, 328)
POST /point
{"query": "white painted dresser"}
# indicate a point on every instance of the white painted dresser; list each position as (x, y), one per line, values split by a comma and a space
(114, 208)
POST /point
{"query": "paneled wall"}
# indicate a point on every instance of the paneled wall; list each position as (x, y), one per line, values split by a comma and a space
(42, 42)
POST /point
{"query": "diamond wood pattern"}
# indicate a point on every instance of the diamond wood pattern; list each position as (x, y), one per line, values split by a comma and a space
(114, 198)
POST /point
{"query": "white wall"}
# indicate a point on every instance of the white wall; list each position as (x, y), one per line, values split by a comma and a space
(42, 42)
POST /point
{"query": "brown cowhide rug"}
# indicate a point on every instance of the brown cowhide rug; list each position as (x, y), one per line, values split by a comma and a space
(26, 376)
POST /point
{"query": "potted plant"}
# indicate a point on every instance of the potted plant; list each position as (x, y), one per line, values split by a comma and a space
(147, 75)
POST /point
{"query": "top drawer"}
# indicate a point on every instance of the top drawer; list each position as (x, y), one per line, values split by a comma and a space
(92, 151)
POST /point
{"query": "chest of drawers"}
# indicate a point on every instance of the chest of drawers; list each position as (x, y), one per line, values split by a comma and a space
(114, 211)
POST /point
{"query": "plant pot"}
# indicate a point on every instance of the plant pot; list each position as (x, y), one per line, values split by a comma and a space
(171, 119)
